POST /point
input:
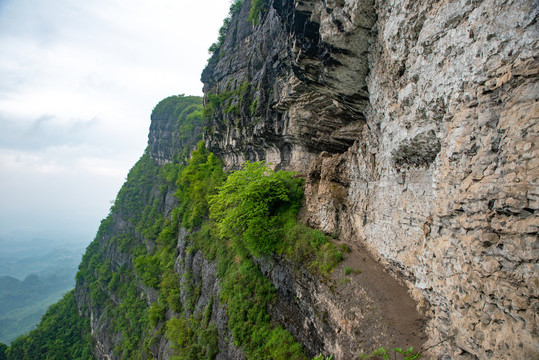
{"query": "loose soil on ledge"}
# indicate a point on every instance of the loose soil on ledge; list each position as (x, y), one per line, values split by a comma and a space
(391, 319)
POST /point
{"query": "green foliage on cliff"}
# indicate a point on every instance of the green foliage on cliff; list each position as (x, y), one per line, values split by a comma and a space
(61, 334)
(252, 206)
(245, 290)
(196, 183)
(235, 7)
(192, 338)
(254, 213)
(128, 278)
(385, 353)
(309, 247)
(113, 290)
(3, 351)
(229, 102)
(258, 7)
(253, 107)
(247, 293)
(184, 115)
(176, 107)
(135, 193)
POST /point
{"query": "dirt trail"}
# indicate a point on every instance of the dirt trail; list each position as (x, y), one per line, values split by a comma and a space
(389, 302)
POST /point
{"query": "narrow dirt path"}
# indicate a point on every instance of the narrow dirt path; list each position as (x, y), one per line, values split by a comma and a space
(390, 304)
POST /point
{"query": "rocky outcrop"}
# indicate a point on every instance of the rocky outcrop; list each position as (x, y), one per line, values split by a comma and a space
(288, 90)
(198, 273)
(416, 127)
(173, 121)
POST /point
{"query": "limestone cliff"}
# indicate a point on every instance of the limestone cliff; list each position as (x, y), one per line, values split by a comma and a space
(110, 291)
(416, 127)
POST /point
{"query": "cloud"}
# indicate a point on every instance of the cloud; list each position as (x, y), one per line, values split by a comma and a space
(44, 132)
(79, 82)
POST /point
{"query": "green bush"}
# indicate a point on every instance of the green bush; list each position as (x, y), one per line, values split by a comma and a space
(196, 182)
(258, 8)
(384, 353)
(250, 204)
(191, 339)
(309, 247)
(156, 313)
(253, 107)
(148, 268)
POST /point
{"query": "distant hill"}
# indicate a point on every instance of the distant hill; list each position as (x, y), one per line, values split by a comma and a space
(47, 278)
(44, 263)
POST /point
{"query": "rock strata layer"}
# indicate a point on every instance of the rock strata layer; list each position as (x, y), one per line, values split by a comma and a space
(416, 127)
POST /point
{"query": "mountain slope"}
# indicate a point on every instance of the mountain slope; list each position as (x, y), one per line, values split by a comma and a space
(410, 129)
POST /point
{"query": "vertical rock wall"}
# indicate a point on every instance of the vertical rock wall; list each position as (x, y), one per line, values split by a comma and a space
(444, 188)
(416, 126)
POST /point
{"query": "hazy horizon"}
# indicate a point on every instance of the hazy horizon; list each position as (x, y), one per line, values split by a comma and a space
(79, 82)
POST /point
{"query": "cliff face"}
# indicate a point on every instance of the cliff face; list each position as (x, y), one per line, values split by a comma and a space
(416, 126)
(299, 94)
(123, 285)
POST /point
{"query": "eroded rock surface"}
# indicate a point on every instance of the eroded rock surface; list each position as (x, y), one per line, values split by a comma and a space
(290, 90)
(416, 127)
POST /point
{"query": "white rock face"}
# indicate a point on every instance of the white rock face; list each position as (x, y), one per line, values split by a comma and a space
(462, 226)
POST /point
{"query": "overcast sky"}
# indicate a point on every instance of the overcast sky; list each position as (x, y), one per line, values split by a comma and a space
(78, 82)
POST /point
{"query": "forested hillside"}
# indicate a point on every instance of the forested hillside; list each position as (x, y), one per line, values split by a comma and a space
(22, 303)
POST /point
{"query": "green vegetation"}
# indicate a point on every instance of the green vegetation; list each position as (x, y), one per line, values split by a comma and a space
(196, 183)
(23, 303)
(258, 8)
(215, 101)
(185, 113)
(309, 247)
(230, 218)
(348, 270)
(178, 107)
(321, 357)
(254, 213)
(229, 102)
(253, 107)
(247, 293)
(61, 334)
(3, 351)
(192, 338)
(235, 7)
(254, 204)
